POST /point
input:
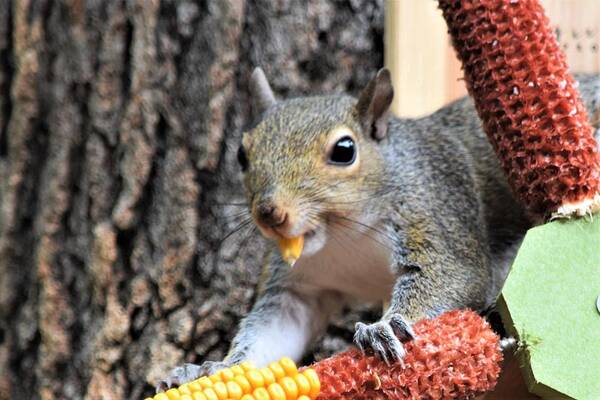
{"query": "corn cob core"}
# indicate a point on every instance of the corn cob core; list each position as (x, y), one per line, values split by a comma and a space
(528, 102)
(455, 355)
(279, 381)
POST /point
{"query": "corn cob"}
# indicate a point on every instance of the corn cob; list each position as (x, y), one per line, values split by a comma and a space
(528, 102)
(454, 356)
(279, 381)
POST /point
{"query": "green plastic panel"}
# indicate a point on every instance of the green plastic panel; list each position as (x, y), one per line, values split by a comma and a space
(549, 303)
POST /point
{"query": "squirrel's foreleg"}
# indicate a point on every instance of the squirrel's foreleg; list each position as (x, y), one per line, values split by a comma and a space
(282, 322)
(433, 276)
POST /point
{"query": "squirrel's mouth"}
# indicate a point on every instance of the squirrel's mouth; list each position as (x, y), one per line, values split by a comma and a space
(304, 245)
(296, 237)
(309, 234)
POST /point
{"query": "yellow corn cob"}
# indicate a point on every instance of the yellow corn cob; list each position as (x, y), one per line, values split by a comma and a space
(291, 249)
(279, 381)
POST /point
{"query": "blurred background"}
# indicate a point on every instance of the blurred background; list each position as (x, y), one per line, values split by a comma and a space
(122, 247)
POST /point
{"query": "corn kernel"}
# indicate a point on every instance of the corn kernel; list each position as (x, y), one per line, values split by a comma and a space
(289, 366)
(247, 397)
(226, 374)
(205, 382)
(277, 370)
(173, 394)
(244, 384)
(289, 386)
(215, 378)
(291, 249)
(210, 394)
(237, 370)
(315, 384)
(221, 390)
(184, 389)
(195, 386)
(161, 396)
(303, 384)
(268, 376)
(247, 366)
(303, 398)
(234, 391)
(199, 396)
(186, 397)
(276, 392)
(255, 378)
(261, 394)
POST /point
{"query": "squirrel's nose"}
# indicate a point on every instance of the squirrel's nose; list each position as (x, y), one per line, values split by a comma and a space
(271, 215)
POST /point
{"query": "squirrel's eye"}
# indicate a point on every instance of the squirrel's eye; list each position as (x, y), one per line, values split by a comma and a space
(242, 159)
(343, 152)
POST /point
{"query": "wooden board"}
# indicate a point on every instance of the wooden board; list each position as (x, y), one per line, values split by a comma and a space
(425, 72)
(577, 25)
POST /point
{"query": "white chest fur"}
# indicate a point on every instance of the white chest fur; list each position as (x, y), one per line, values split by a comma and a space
(354, 263)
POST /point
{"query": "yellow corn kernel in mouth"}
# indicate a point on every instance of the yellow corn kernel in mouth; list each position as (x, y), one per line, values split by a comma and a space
(291, 249)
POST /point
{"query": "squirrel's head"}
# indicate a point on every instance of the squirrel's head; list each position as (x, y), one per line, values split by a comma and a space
(312, 164)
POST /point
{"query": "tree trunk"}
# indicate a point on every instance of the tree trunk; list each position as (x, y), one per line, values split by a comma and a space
(119, 124)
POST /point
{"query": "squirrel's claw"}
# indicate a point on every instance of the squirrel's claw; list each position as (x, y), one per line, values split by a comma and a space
(401, 327)
(383, 337)
(178, 376)
(187, 373)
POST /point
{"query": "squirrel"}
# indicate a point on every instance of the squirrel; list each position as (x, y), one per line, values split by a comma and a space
(414, 213)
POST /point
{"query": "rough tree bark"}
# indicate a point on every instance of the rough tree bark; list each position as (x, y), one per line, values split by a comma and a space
(119, 122)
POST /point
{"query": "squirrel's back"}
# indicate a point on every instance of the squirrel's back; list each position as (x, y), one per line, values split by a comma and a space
(444, 166)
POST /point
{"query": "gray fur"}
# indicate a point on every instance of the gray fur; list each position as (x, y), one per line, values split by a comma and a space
(432, 194)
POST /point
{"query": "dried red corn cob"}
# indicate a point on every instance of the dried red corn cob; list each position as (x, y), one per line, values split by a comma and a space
(529, 104)
(456, 355)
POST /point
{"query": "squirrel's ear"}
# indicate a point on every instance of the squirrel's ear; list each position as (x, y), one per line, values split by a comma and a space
(260, 91)
(374, 104)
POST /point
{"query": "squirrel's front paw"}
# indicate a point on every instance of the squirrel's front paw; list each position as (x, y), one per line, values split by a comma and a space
(384, 337)
(189, 372)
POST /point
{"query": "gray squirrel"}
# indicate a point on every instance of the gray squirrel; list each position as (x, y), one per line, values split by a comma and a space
(414, 213)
